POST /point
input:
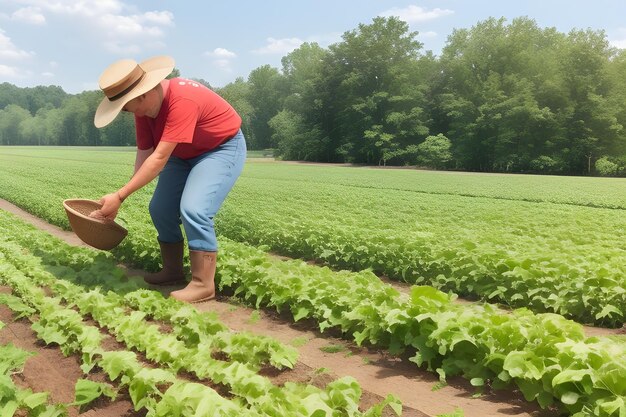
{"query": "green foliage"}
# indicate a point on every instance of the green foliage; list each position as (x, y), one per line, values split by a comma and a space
(265, 95)
(87, 391)
(545, 164)
(607, 168)
(509, 97)
(498, 245)
(257, 396)
(434, 152)
(294, 139)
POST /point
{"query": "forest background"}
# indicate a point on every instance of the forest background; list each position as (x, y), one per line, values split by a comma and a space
(501, 97)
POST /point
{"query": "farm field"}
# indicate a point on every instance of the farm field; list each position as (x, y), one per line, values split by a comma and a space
(321, 359)
(551, 244)
(525, 246)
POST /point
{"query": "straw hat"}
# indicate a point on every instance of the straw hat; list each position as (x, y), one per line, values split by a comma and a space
(124, 80)
(101, 234)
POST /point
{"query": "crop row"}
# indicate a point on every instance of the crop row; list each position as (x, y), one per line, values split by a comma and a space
(563, 259)
(65, 327)
(195, 353)
(547, 357)
(560, 258)
(580, 191)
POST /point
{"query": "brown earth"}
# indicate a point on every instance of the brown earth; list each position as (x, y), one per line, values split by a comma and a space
(49, 371)
(377, 372)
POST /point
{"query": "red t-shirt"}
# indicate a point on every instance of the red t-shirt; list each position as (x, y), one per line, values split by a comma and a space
(191, 115)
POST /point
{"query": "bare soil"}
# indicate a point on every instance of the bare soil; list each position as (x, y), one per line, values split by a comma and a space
(49, 371)
(377, 372)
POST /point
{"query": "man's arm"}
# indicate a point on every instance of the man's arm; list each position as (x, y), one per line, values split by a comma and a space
(147, 171)
(140, 158)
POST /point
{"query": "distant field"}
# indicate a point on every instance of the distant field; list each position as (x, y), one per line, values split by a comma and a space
(543, 242)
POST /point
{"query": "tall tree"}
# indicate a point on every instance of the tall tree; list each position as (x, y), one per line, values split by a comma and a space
(11, 118)
(372, 96)
(236, 93)
(266, 94)
(296, 130)
(502, 94)
(592, 125)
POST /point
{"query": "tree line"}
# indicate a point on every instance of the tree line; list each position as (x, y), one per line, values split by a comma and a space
(501, 97)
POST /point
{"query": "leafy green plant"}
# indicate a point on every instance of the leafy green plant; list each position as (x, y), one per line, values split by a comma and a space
(87, 391)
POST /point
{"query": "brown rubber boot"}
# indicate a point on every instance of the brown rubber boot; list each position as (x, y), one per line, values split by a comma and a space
(172, 272)
(202, 285)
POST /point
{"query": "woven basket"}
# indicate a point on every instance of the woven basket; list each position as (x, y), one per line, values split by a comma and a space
(98, 233)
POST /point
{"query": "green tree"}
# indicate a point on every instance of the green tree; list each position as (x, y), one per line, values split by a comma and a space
(372, 95)
(503, 96)
(607, 168)
(301, 70)
(32, 131)
(294, 139)
(434, 152)
(236, 93)
(265, 94)
(11, 117)
(592, 124)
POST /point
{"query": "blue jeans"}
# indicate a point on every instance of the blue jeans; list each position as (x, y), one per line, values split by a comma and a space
(191, 191)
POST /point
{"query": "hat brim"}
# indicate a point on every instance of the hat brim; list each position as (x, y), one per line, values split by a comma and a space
(156, 68)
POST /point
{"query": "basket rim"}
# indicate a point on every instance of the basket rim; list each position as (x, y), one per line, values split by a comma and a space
(91, 219)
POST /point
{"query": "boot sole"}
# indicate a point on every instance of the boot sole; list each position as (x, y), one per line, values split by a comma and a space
(202, 300)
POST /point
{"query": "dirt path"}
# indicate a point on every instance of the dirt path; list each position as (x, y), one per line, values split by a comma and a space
(377, 372)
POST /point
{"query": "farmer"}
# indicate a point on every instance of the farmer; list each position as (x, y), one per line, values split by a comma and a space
(190, 138)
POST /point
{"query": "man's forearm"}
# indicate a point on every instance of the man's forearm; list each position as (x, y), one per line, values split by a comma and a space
(147, 171)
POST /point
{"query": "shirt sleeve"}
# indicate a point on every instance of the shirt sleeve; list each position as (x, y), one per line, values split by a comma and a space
(143, 134)
(181, 121)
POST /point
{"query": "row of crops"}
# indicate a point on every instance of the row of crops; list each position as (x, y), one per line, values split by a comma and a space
(51, 290)
(564, 257)
(551, 244)
(545, 356)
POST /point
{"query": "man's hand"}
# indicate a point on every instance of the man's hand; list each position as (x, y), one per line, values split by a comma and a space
(110, 205)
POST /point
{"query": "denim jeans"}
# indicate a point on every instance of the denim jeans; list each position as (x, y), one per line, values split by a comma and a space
(191, 191)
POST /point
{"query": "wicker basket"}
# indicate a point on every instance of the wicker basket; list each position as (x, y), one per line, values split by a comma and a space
(98, 233)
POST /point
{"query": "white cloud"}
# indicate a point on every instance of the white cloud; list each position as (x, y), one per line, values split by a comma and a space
(15, 73)
(114, 23)
(47, 74)
(78, 7)
(30, 15)
(9, 51)
(413, 14)
(221, 53)
(9, 72)
(222, 58)
(279, 46)
(164, 18)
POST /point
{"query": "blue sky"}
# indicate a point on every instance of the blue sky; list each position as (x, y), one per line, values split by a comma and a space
(69, 42)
